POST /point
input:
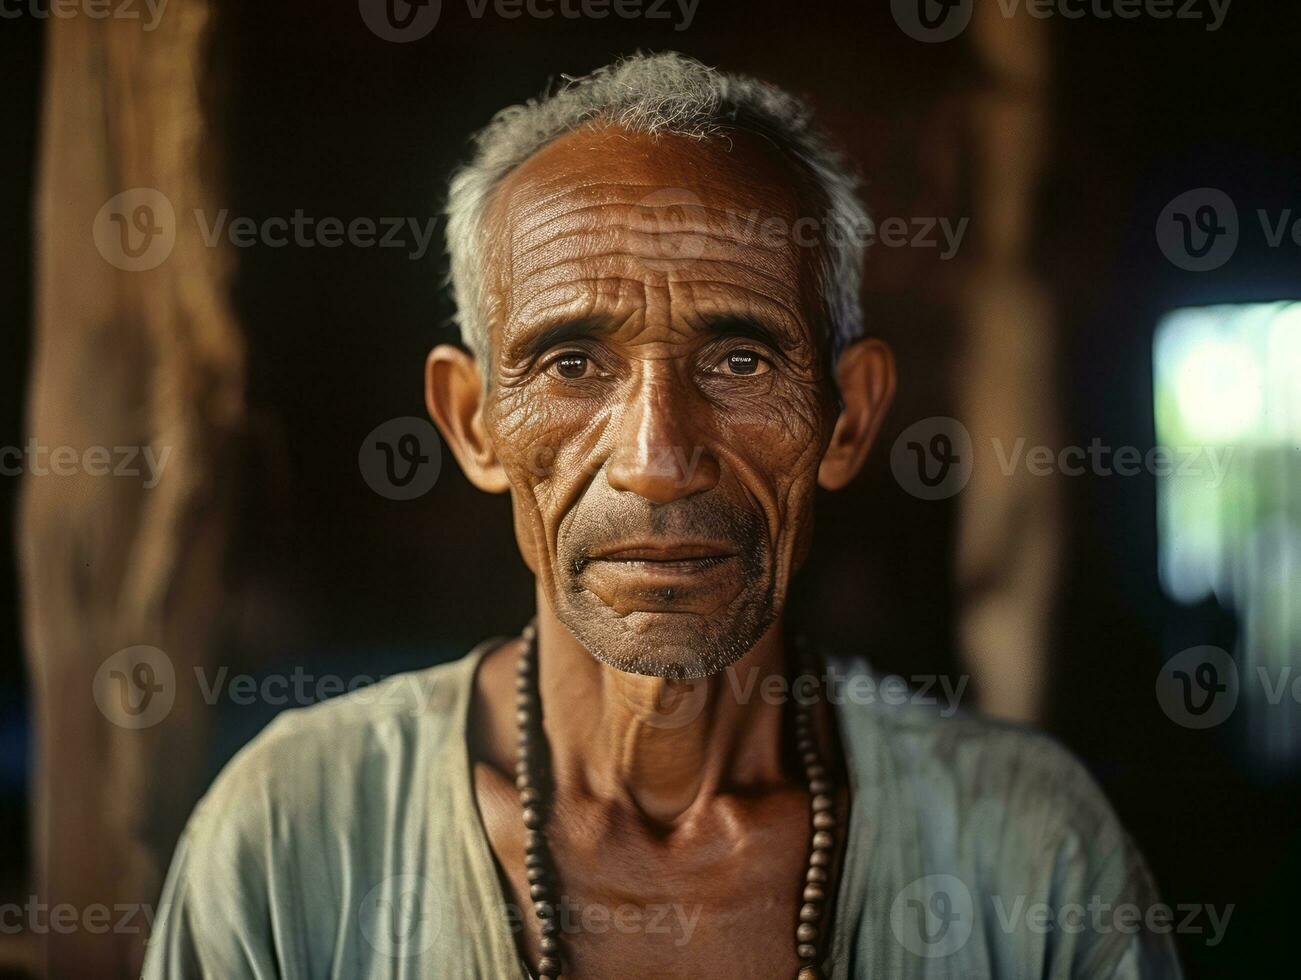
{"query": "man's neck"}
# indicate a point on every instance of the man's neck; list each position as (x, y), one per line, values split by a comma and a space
(662, 746)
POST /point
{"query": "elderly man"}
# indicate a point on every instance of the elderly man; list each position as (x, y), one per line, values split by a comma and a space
(657, 270)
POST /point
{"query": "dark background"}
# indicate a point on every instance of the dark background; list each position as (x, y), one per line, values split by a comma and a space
(319, 114)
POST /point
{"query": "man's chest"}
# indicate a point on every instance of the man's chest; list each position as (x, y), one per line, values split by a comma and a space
(721, 898)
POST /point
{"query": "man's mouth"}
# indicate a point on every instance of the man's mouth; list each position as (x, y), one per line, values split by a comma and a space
(662, 575)
(664, 557)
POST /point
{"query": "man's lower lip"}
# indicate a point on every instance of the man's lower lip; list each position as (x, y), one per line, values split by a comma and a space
(677, 568)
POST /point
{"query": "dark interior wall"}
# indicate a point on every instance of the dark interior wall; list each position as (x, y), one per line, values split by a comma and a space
(323, 116)
(1148, 112)
(20, 52)
(332, 120)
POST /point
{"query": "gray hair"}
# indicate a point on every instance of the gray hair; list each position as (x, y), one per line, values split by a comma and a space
(660, 93)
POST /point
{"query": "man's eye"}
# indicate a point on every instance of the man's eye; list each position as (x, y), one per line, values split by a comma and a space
(743, 362)
(571, 366)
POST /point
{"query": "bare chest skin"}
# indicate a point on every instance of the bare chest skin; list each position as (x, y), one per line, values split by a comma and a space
(716, 894)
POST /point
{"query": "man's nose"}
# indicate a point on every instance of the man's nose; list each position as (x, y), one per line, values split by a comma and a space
(657, 456)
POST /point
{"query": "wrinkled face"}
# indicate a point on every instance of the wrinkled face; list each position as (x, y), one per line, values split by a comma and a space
(657, 393)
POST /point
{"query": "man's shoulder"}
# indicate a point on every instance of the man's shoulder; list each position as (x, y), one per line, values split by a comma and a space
(998, 817)
(345, 747)
(924, 742)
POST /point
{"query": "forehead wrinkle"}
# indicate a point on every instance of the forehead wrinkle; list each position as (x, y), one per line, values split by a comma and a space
(573, 183)
(577, 225)
(792, 331)
(546, 207)
(587, 301)
(638, 268)
(529, 294)
(720, 296)
(788, 314)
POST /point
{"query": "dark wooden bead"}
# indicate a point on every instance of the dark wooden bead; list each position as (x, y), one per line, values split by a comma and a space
(550, 945)
(807, 932)
(806, 951)
(521, 767)
(543, 910)
(804, 745)
(523, 781)
(532, 817)
(820, 859)
(809, 759)
(538, 873)
(809, 973)
(823, 840)
(818, 874)
(824, 820)
(523, 684)
(820, 786)
(811, 912)
(549, 927)
(816, 771)
(815, 893)
(524, 717)
(535, 840)
(538, 891)
(548, 966)
(534, 859)
(822, 802)
(529, 796)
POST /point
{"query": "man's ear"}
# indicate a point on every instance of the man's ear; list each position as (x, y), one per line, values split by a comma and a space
(454, 397)
(865, 376)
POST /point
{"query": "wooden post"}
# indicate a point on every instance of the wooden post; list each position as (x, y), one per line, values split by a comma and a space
(1011, 531)
(136, 357)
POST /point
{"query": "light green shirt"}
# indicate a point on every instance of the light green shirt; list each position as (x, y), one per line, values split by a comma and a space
(345, 842)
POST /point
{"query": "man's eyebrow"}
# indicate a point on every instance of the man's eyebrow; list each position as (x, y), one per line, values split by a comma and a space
(732, 325)
(538, 341)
